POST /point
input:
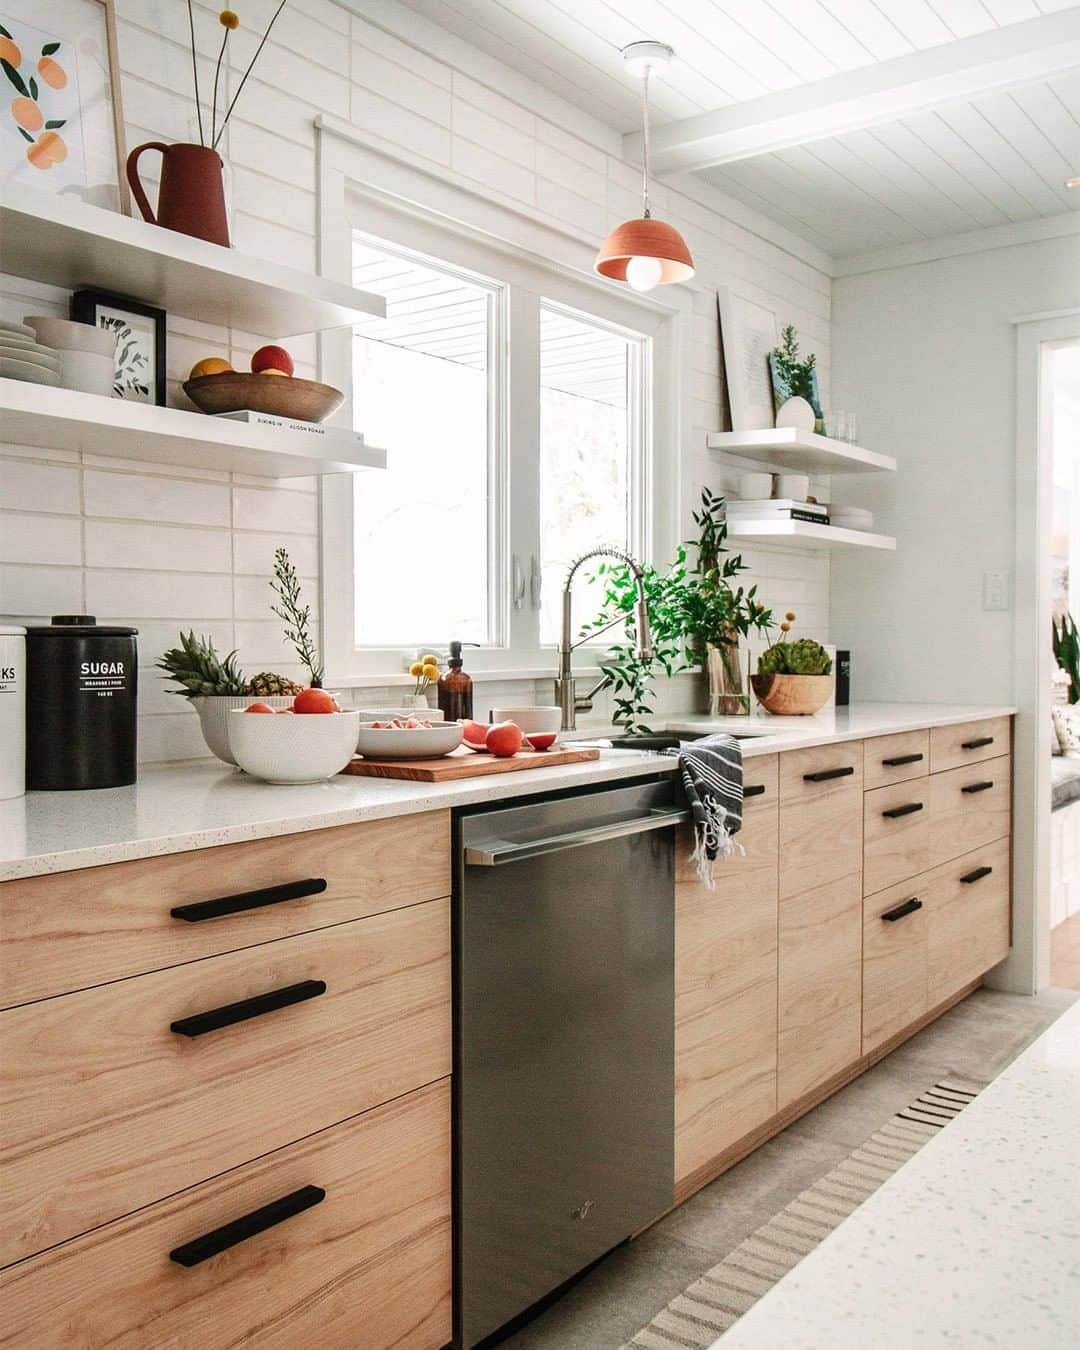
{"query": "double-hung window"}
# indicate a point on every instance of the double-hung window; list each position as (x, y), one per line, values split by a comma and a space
(516, 402)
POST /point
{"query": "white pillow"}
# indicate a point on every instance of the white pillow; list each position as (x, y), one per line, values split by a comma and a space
(1067, 725)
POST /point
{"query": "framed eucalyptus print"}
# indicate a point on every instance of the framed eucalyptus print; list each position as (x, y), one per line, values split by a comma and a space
(140, 342)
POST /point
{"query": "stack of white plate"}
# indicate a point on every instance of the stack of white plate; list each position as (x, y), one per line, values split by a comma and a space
(22, 357)
(851, 518)
(87, 354)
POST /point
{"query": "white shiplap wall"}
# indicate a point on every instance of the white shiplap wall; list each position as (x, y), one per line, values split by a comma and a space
(169, 548)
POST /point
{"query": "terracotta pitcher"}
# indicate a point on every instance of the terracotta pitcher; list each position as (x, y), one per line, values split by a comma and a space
(191, 198)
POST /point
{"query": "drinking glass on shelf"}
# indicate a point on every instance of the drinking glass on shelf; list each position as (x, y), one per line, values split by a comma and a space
(836, 424)
(852, 429)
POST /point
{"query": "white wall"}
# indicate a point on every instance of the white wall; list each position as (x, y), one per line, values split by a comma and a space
(926, 355)
(165, 548)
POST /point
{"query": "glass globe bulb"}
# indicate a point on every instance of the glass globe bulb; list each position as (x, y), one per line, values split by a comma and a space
(642, 274)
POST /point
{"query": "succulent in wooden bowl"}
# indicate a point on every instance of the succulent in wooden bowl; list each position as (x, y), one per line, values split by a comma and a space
(794, 679)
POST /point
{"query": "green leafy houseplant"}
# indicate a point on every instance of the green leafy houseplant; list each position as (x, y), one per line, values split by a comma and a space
(692, 605)
(1066, 641)
(797, 373)
(297, 616)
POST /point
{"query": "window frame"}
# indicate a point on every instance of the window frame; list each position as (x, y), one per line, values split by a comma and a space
(530, 279)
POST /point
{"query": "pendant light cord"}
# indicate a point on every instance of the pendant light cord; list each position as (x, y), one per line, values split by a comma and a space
(647, 212)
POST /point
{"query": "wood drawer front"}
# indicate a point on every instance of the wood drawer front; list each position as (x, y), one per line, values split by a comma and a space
(896, 759)
(963, 813)
(802, 772)
(894, 961)
(896, 833)
(104, 1108)
(968, 923)
(820, 986)
(76, 929)
(368, 1266)
(968, 742)
(821, 840)
(725, 996)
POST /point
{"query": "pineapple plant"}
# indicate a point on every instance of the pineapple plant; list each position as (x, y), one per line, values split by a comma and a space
(215, 686)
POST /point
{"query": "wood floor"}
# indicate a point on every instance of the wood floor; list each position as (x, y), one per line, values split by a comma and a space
(1065, 954)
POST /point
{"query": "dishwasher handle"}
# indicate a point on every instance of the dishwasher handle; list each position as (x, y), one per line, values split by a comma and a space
(495, 852)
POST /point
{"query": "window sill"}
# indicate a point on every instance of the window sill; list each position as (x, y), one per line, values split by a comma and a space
(400, 680)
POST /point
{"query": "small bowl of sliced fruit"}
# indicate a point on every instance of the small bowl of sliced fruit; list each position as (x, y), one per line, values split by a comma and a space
(306, 743)
(407, 738)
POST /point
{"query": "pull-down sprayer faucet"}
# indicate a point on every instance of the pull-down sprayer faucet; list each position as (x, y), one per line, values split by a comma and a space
(565, 684)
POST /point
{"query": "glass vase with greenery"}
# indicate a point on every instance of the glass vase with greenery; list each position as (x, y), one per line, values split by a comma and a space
(693, 607)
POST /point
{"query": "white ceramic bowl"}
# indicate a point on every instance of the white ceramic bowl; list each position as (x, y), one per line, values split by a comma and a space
(292, 747)
(417, 743)
(542, 720)
(68, 336)
(33, 352)
(88, 372)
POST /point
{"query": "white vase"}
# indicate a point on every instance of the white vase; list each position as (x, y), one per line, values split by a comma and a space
(796, 412)
(214, 709)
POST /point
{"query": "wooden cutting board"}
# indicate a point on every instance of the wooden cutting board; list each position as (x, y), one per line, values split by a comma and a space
(463, 763)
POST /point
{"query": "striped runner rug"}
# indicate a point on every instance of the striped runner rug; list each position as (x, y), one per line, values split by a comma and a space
(720, 1297)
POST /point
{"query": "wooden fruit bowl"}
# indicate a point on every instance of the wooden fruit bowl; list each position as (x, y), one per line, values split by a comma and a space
(277, 395)
(792, 695)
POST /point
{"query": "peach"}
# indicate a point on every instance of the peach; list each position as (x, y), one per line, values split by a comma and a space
(272, 358)
(474, 735)
(258, 708)
(52, 72)
(47, 150)
(542, 740)
(27, 114)
(9, 51)
(504, 739)
(315, 701)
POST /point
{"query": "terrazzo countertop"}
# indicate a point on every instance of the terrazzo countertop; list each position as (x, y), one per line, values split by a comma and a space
(199, 804)
(973, 1242)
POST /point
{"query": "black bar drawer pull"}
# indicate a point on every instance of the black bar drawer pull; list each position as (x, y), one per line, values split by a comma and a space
(200, 1023)
(754, 790)
(907, 810)
(823, 775)
(977, 744)
(897, 760)
(978, 787)
(902, 911)
(237, 904)
(977, 875)
(258, 1221)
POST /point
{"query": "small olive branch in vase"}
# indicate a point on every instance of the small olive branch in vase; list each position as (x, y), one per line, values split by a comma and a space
(296, 616)
(798, 373)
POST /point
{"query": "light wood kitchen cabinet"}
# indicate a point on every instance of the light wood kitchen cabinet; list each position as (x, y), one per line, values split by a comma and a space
(896, 758)
(820, 985)
(964, 743)
(821, 812)
(968, 918)
(726, 985)
(128, 1092)
(969, 806)
(75, 929)
(894, 957)
(362, 1261)
(896, 833)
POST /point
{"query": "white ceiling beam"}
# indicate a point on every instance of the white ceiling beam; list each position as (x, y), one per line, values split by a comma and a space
(854, 99)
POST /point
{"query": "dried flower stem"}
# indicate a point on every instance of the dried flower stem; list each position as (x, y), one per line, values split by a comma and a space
(195, 73)
(240, 86)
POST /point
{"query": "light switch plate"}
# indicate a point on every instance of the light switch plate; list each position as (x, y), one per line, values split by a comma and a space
(996, 590)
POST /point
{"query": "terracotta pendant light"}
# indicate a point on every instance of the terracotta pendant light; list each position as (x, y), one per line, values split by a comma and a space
(645, 252)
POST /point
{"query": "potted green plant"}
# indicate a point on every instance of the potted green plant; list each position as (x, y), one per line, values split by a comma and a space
(696, 617)
(796, 402)
(1066, 640)
(712, 613)
(794, 679)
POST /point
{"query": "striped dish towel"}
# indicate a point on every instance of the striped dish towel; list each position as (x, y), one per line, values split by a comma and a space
(712, 779)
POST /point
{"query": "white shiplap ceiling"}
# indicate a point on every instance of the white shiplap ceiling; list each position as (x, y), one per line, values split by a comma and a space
(963, 164)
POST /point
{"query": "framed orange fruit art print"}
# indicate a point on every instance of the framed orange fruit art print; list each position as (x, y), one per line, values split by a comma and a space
(61, 125)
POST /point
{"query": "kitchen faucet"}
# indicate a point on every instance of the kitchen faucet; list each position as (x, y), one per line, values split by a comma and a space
(565, 684)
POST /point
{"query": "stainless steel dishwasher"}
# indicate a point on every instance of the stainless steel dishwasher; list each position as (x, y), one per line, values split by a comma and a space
(564, 1039)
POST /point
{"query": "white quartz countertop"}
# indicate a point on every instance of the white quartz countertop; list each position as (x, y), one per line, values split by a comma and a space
(973, 1242)
(199, 804)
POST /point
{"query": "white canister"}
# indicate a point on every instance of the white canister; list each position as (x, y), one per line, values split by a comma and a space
(755, 486)
(793, 486)
(12, 711)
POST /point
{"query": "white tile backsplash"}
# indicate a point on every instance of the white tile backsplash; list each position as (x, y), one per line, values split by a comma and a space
(163, 546)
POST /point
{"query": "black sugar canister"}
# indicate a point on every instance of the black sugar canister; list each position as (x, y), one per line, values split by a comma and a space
(81, 687)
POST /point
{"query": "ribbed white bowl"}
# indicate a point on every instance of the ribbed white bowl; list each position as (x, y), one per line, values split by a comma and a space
(214, 717)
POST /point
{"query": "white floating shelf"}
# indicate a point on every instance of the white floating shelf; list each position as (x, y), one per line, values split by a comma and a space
(62, 419)
(804, 534)
(65, 242)
(805, 451)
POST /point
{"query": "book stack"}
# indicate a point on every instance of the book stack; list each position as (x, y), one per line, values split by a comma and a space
(777, 508)
(330, 438)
